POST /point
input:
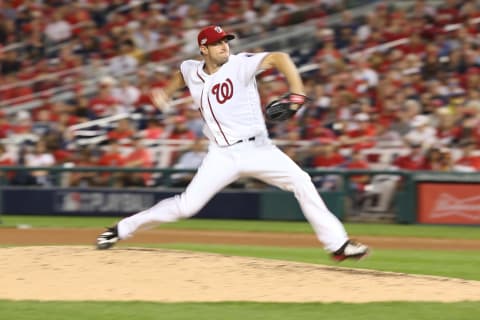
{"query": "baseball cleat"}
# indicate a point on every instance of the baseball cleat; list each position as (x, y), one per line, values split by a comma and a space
(350, 250)
(108, 238)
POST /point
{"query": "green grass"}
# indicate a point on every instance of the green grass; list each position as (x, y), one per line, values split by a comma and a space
(455, 264)
(355, 229)
(28, 310)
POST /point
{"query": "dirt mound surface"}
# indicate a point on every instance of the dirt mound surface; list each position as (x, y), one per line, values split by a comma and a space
(82, 273)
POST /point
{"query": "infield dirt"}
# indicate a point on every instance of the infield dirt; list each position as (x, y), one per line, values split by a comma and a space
(78, 272)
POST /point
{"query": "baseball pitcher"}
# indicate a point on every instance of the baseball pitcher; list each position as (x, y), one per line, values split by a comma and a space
(223, 87)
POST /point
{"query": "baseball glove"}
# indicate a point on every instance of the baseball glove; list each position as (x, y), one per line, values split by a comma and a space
(285, 107)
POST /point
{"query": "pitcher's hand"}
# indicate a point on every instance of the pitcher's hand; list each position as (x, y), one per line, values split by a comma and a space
(160, 100)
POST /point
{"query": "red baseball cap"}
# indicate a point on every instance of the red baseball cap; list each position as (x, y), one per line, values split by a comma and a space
(212, 34)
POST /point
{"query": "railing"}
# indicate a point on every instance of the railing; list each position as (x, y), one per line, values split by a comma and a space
(55, 171)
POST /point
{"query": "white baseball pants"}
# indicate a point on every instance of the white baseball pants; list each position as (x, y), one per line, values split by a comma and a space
(224, 165)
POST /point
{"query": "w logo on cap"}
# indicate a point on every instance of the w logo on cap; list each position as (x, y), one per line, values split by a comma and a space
(212, 34)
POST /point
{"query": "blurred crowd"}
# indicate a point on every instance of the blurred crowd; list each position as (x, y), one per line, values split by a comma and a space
(397, 87)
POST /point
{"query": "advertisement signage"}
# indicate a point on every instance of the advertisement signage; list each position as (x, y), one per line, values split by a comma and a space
(117, 202)
(448, 203)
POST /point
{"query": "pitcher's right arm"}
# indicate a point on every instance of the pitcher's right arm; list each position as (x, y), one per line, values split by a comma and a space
(161, 97)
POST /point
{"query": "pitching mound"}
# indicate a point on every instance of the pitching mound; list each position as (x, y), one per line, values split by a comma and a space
(81, 273)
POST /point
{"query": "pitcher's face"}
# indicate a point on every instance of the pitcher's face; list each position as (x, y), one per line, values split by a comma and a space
(217, 53)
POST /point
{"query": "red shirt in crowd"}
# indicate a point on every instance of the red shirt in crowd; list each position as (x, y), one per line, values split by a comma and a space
(360, 180)
(7, 160)
(102, 105)
(153, 133)
(120, 134)
(471, 161)
(182, 134)
(331, 160)
(142, 158)
(5, 128)
(111, 159)
(410, 162)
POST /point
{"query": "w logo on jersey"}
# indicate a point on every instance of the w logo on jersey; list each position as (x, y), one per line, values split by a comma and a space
(223, 91)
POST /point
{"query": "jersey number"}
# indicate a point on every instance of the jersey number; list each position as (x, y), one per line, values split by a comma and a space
(223, 91)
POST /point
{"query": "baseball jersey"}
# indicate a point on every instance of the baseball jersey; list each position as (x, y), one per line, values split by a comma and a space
(227, 99)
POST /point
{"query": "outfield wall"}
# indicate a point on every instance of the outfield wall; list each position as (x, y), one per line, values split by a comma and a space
(265, 205)
(418, 197)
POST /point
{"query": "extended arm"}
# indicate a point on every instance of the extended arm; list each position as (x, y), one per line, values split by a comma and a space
(161, 97)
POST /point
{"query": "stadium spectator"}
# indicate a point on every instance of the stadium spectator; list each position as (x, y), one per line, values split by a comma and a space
(358, 181)
(144, 37)
(88, 43)
(444, 161)
(43, 124)
(80, 108)
(5, 126)
(35, 46)
(324, 155)
(58, 30)
(327, 156)
(111, 156)
(104, 104)
(194, 122)
(178, 129)
(154, 130)
(328, 54)
(414, 159)
(138, 157)
(127, 61)
(22, 124)
(190, 159)
(422, 132)
(6, 159)
(83, 158)
(123, 132)
(144, 103)
(126, 93)
(40, 156)
(10, 62)
(448, 132)
(7, 11)
(469, 159)
(78, 16)
(361, 132)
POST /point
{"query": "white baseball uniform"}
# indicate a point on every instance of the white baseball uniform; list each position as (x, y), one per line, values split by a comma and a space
(230, 105)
